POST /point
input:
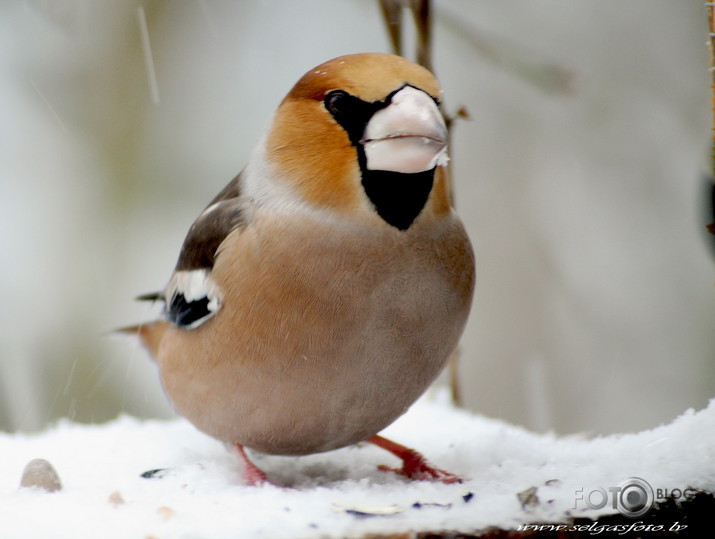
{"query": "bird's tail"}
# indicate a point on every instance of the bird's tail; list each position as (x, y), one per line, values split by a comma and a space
(150, 334)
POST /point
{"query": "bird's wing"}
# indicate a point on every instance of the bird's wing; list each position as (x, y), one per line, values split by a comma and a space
(218, 220)
(191, 296)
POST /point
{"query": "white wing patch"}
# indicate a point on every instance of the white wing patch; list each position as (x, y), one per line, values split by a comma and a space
(191, 298)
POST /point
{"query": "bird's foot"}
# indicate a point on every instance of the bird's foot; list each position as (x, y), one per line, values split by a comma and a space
(414, 465)
(419, 469)
(253, 476)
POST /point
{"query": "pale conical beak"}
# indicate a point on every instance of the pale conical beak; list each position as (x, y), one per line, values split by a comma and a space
(409, 135)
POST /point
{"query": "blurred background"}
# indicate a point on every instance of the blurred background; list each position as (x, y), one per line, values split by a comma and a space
(579, 175)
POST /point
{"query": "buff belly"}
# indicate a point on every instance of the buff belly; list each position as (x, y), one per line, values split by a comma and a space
(322, 355)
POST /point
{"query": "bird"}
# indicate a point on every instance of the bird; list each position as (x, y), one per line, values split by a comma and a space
(323, 290)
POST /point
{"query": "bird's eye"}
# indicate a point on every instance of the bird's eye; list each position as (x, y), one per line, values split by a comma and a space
(337, 102)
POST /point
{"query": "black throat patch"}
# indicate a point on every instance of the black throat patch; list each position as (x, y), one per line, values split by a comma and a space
(398, 198)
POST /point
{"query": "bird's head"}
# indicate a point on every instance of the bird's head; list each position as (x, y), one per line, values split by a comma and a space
(362, 135)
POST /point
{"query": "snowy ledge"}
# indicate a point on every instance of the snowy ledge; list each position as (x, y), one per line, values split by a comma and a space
(513, 477)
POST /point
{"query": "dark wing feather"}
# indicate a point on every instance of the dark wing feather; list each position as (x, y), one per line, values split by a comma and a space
(151, 296)
(220, 218)
(232, 190)
(185, 308)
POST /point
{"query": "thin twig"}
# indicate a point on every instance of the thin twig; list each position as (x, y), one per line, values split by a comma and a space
(422, 15)
(392, 17)
(711, 48)
(525, 63)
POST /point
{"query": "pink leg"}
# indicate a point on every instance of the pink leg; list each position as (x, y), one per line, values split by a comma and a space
(414, 465)
(252, 474)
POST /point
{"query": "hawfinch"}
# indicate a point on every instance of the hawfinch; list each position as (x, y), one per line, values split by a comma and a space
(325, 287)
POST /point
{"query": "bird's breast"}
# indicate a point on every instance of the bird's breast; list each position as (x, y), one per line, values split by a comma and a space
(326, 334)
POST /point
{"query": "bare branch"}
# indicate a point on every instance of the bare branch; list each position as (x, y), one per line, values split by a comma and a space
(392, 17)
(422, 14)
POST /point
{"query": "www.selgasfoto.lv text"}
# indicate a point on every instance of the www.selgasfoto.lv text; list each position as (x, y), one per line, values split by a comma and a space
(595, 528)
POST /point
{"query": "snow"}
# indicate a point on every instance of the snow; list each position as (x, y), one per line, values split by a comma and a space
(335, 494)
